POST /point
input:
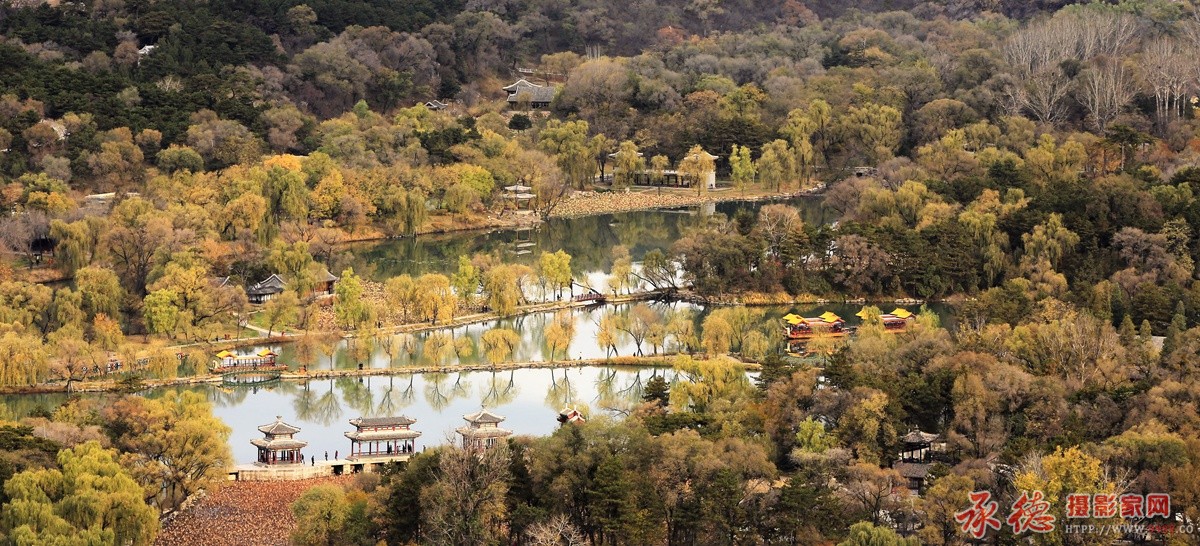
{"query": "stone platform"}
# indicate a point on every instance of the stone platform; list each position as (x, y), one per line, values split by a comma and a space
(290, 472)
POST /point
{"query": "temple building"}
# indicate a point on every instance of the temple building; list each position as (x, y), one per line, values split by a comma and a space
(382, 437)
(277, 446)
(482, 430)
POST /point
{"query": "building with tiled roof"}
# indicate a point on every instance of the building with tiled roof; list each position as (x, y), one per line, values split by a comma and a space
(382, 437)
(482, 430)
(278, 444)
(524, 91)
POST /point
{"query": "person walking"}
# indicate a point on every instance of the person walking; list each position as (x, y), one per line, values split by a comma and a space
(335, 454)
(326, 454)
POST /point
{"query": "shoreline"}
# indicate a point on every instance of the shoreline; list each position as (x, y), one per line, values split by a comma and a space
(747, 300)
(653, 361)
(608, 202)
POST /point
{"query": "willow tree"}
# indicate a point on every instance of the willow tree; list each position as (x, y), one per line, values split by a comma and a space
(742, 166)
(696, 166)
(91, 500)
(174, 446)
(628, 163)
(499, 344)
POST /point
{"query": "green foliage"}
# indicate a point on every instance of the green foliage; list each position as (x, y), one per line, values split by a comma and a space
(91, 500)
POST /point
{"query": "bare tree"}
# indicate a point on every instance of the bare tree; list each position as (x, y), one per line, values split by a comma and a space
(1037, 54)
(1104, 89)
(1161, 63)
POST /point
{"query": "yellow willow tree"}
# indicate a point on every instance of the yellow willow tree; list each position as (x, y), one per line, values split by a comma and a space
(91, 500)
(696, 167)
(499, 344)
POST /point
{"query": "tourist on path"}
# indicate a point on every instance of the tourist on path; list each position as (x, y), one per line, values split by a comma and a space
(326, 455)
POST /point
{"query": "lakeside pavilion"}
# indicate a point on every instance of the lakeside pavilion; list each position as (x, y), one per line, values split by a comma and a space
(482, 430)
(382, 437)
(278, 446)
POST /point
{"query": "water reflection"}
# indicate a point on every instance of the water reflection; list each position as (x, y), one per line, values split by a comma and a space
(530, 398)
(588, 240)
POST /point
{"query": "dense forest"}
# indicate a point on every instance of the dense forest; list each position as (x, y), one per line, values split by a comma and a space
(1035, 162)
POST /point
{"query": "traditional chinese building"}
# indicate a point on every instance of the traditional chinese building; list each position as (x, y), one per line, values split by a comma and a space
(262, 291)
(278, 446)
(229, 360)
(524, 92)
(482, 430)
(917, 457)
(572, 416)
(382, 437)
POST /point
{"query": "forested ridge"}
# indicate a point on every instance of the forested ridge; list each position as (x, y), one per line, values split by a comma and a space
(1035, 162)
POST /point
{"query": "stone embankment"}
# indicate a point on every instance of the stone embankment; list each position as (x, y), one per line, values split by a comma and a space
(587, 203)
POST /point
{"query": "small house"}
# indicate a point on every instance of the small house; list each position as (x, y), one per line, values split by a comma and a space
(262, 291)
(525, 92)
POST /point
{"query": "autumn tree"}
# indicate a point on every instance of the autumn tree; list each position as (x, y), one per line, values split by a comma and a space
(628, 164)
(173, 445)
(742, 166)
(281, 310)
(90, 498)
(465, 504)
(695, 166)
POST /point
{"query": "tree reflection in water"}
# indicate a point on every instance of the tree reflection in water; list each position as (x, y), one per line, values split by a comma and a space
(497, 391)
(327, 408)
(434, 387)
(560, 393)
(357, 394)
(392, 400)
(305, 403)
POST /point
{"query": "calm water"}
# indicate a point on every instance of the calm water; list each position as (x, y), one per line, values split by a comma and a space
(589, 240)
(529, 398)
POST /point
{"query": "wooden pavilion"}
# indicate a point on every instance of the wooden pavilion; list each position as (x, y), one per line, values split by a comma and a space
(482, 430)
(278, 445)
(382, 437)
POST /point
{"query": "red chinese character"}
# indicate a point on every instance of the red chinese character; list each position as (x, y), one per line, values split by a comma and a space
(1079, 505)
(1132, 506)
(1029, 514)
(1158, 504)
(1104, 506)
(976, 519)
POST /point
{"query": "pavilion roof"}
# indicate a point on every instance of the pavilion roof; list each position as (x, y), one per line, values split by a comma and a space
(278, 428)
(279, 443)
(483, 416)
(901, 313)
(372, 435)
(918, 437)
(829, 316)
(488, 432)
(399, 420)
(917, 471)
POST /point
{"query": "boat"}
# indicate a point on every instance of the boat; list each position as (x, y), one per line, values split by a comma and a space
(895, 322)
(828, 324)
